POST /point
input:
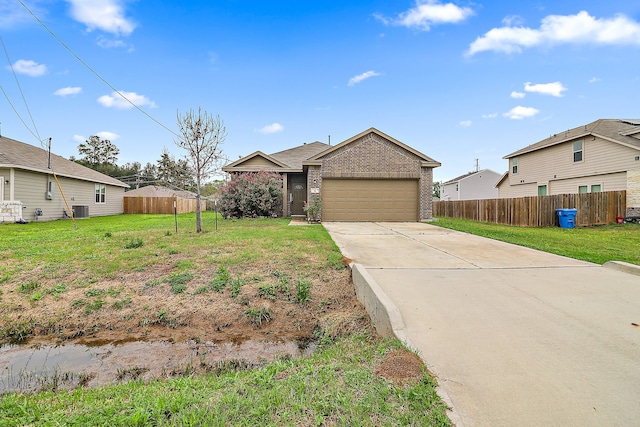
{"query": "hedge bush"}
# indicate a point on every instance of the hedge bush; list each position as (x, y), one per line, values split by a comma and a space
(252, 195)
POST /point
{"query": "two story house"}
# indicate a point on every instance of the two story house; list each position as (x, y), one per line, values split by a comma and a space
(601, 156)
(471, 186)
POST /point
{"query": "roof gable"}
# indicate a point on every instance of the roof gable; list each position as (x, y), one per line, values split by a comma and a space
(431, 162)
(258, 159)
(469, 175)
(614, 130)
(289, 160)
(18, 155)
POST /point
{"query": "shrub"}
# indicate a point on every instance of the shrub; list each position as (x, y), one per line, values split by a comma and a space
(313, 209)
(252, 195)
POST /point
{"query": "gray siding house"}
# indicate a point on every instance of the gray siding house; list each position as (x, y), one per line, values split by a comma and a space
(29, 191)
(471, 186)
(368, 177)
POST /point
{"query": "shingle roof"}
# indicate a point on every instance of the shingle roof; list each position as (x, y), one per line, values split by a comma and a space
(16, 154)
(466, 175)
(294, 157)
(157, 191)
(615, 130)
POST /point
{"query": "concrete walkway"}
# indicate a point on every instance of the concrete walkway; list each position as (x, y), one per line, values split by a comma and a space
(516, 337)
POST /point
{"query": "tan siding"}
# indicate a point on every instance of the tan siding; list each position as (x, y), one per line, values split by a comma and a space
(4, 188)
(258, 161)
(30, 189)
(506, 191)
(609, 182)
(556, 163)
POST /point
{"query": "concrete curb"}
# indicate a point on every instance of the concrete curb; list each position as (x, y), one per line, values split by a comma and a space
(623, 266)
(389, 323)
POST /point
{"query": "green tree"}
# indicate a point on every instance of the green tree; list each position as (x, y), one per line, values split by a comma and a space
(201, 136)
(436, 189)
(98, 152)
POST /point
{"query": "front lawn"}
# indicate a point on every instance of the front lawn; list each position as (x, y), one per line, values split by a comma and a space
(598, 244)
(132, 277)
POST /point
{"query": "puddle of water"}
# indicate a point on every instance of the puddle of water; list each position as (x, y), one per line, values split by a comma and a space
(30, 368)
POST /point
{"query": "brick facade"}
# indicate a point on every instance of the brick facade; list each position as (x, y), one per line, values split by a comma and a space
(633, 192)
(371, 156)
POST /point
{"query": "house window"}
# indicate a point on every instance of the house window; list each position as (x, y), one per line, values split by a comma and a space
(577, 152)
(583, 189)
(101, 193)
(514, 165)
(542, 190)
(596, 188)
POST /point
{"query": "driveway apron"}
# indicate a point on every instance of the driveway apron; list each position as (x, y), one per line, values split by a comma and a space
(515, 337)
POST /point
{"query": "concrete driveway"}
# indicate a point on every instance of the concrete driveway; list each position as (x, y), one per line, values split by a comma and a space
(516, 337)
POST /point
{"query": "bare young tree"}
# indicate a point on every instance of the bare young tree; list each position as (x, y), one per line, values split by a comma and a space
(201, 136)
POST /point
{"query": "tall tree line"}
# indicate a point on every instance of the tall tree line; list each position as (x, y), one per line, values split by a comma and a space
(102, 155)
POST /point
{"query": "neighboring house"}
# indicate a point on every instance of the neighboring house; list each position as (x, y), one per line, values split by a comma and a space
(369, 177)
(601, 156)
(28, 189)
(471, 186)
(154, 199)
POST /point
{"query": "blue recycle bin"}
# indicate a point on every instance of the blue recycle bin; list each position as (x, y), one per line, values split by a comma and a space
(567, 217)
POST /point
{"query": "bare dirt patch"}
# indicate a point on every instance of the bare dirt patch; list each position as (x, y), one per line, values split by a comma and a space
(143, 306)
(402, 368)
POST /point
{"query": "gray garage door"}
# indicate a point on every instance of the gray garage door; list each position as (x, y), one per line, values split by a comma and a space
(370, 200)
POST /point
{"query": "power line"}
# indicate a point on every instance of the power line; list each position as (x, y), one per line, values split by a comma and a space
(15, 76)
(95, 72)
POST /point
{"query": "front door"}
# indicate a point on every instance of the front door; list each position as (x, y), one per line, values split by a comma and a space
(297, 193)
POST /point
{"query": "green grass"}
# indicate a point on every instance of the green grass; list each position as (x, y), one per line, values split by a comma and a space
(236, 244)
(335, 386)
(598, 244)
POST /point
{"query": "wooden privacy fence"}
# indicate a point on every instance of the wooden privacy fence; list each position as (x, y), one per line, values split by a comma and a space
(538, 211)
(160, 205)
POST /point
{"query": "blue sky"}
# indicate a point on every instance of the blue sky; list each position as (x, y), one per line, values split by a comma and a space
(458, 81)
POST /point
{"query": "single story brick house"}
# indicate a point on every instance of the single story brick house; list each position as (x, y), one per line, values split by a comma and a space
(368, 177)
(28, 189)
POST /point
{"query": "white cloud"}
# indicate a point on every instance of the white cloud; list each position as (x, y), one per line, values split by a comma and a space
(65, 91)
(29, 67)
(518, 95)
(427, 13)
(553, 89)
(594, 80)
(465, 123)
(490, 116)
(105, 15)
(360, 77)
(116, 101)
(107, 43)
(108, 135)
(581, 28)
(512, 20)
(272, 128)
(103, 135)
(518, 113)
